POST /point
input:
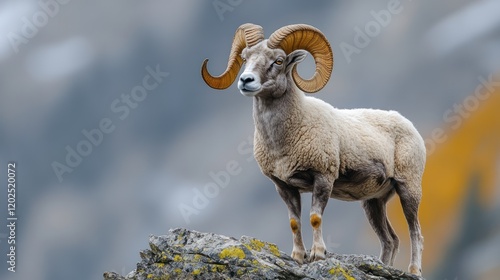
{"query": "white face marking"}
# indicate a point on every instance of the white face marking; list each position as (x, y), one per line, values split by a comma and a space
(249, 81)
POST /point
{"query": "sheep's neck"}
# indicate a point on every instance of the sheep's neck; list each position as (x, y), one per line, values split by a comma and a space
(274, 117)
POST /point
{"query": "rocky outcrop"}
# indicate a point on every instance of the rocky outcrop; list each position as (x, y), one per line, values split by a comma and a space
(188, 254)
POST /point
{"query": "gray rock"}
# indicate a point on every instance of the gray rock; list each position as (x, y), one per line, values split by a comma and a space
(188, 254)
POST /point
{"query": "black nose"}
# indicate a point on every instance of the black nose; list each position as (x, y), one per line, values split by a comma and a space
(246, 78)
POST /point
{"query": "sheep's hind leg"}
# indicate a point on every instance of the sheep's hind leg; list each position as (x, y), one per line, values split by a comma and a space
(322, 190)
(375, 210)
(291, 196)
(410, 199)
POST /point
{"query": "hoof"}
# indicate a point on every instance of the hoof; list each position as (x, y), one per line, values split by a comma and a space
(415, 270)
(299, 256)
(317, 254)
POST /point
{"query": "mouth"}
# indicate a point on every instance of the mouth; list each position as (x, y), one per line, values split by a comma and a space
(249, 93)
(248, 90)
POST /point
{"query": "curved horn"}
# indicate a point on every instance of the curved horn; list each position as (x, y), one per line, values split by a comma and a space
(309, 38)
(247, 35)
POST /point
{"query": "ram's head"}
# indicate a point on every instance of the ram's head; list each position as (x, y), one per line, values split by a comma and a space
(269, 62)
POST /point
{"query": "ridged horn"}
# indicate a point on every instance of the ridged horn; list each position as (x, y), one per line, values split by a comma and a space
(247, 35)
(309, 38)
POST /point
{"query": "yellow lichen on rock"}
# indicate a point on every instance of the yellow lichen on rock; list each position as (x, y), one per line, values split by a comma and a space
(196, 257)
(218, 268)
(232, 252)
(180, 236)
(340, 271)
(196, 272)
(274, 249)
(178, 258)
(256, 245)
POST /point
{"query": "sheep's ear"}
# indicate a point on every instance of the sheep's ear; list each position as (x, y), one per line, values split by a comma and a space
(293, 58)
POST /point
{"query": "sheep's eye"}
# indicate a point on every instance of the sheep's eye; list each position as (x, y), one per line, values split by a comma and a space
(244, 60)
(278, 61)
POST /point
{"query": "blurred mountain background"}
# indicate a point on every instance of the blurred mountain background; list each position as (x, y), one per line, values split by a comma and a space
(65, 67)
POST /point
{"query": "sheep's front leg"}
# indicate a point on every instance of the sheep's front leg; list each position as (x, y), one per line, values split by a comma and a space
(321, 193)
(291, 196)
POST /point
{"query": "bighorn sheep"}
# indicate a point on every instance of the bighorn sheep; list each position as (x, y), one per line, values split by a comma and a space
(305, 145)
